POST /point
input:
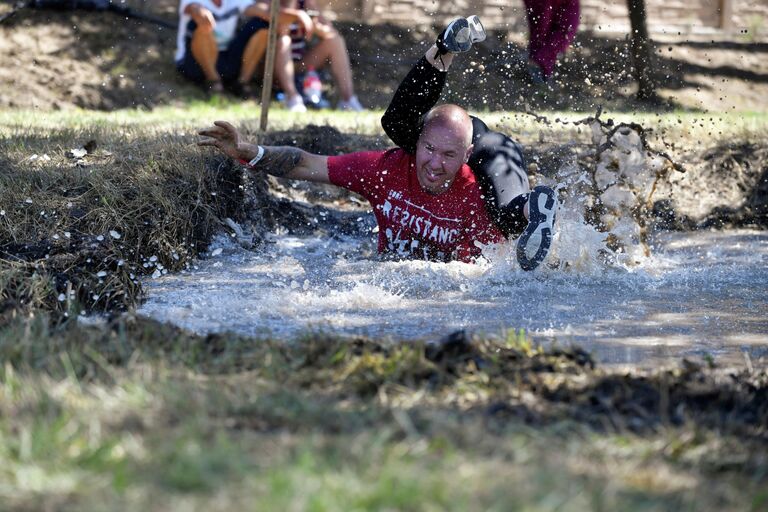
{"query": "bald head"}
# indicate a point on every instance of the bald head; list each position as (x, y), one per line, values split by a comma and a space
(452, 118)
(444, 145)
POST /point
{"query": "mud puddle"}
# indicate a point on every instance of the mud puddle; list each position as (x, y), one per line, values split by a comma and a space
(701, 294)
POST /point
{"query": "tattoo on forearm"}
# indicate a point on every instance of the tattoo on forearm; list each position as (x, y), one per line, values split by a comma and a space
(279, 161)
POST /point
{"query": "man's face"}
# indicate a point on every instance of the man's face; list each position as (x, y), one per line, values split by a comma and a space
(440, 154)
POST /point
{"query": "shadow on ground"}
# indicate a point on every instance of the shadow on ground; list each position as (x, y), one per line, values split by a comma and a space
(104, 61)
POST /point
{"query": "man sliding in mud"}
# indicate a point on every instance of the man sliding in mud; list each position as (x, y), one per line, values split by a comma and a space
(427, 202)
(496, 160)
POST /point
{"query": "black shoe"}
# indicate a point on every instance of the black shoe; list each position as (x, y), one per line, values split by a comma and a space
(535, 74)
(536, 239)
(456, 38)
(213, 88)
(243, 90)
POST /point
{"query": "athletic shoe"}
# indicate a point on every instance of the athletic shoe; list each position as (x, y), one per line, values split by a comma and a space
(536, 239)
(295, 104)
(535, 74)
(456, 37)
(352, 105)
(213, 87)
(244, 91)
(459, 35)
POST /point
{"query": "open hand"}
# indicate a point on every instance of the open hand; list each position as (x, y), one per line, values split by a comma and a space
(226, 139)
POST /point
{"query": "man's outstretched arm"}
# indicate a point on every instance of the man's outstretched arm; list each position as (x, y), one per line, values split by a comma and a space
(279, 161)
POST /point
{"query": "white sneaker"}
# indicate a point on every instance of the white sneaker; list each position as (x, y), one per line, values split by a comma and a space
(353, 105)
(295, 104)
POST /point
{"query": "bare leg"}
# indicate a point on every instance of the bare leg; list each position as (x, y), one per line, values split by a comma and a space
(284, 70)
(254, 52)
(333, 49)
(206, 53)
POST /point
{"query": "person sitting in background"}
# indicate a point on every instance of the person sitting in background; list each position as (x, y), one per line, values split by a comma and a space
(212, 50)
(293, 52)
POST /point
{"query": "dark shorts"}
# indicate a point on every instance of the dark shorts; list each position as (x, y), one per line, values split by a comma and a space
(229, 61)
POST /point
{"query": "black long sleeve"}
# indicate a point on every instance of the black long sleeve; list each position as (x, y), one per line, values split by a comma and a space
(415, 96)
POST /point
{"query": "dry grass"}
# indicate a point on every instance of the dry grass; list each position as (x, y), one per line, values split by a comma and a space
(81, 232)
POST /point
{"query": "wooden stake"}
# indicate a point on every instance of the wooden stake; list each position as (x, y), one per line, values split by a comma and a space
(269, 64)
(726, 14)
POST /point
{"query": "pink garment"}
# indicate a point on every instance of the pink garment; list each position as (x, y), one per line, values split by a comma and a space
(552, 25)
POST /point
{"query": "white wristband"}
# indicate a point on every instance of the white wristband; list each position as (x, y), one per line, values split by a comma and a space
(254, 160)
(259, 156)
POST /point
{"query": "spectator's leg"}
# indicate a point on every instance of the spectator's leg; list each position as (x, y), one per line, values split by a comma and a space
(333, 49)
(539, 16)
(284, 68)
(565, 23)
(205, 51)
(245, 51)
(254, 52)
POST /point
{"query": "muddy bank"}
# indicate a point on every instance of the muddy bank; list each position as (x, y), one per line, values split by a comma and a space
(79, 233)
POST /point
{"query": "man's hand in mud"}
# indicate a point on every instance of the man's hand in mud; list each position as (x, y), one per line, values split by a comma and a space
(226, 139)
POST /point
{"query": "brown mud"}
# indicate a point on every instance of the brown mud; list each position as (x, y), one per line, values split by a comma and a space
(54, 60)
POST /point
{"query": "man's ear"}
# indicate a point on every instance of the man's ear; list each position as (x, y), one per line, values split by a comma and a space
(468, 153)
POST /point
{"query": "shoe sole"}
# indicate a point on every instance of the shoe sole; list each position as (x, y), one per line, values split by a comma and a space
(476, 29)
(541, 219)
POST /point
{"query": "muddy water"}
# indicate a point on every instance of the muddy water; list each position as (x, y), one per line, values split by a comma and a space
(699, 294)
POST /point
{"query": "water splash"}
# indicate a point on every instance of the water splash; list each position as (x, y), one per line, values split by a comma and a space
(700, 293)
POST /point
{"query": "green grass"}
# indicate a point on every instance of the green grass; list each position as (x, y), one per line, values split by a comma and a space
(141, 416)
(194, 115)
(188, 118)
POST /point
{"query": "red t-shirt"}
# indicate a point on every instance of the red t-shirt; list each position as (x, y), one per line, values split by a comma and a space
(413, 223)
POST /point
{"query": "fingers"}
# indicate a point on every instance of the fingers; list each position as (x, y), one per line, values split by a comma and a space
(220, 130)
(214, 134)
(222, 136)
(228, 127)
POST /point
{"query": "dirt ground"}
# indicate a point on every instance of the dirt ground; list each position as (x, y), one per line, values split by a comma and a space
(56, 60)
